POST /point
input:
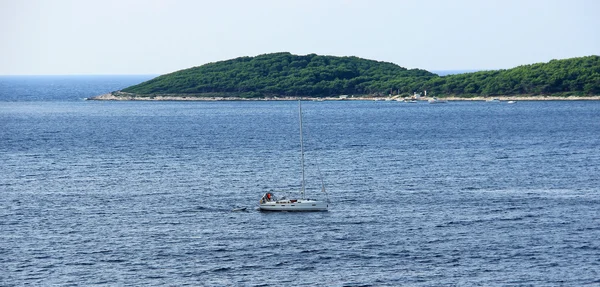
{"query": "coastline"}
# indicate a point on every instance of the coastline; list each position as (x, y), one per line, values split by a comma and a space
(121, 96)
(527, 98)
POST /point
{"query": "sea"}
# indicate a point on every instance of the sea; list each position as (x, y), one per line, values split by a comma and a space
(97, 193)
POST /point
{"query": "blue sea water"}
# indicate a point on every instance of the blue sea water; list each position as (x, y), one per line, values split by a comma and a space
(141, 193)
(452, 72)
(63, 88)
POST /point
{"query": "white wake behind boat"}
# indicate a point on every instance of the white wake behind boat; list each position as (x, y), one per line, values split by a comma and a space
(269, 202)
(435, 100)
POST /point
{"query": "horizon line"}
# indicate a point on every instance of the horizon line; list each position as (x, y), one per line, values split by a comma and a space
(153, 74)
(73, 75)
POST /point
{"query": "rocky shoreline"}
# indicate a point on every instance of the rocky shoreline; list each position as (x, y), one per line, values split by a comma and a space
(122, 96)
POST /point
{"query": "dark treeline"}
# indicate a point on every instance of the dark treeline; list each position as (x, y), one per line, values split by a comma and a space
(577, 76)
(284, 74)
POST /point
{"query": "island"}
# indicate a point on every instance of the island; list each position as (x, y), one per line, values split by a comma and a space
(284, 76)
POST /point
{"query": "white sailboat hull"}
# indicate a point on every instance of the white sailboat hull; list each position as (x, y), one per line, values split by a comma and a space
(291, 205)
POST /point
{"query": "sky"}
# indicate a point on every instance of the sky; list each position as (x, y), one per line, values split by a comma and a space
(92, 37)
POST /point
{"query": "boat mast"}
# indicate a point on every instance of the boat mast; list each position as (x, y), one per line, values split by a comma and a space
(301, 148)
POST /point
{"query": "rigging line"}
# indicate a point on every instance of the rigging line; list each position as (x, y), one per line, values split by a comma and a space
(322, 181)
(301, 147)
(316, 162)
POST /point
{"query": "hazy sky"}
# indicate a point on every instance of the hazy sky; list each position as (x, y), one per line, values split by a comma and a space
(157, 37)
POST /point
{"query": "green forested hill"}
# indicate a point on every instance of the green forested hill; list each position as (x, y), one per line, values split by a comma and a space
(284, 74)
(577, 76)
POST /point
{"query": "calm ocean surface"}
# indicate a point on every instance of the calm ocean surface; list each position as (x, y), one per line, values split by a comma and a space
(141, 193)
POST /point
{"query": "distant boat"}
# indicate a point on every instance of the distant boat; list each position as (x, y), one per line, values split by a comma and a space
(494, 100)
(511, 102)
(435, 100)
(269, 202)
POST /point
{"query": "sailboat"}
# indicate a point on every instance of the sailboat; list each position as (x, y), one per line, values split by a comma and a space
(269, 202)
